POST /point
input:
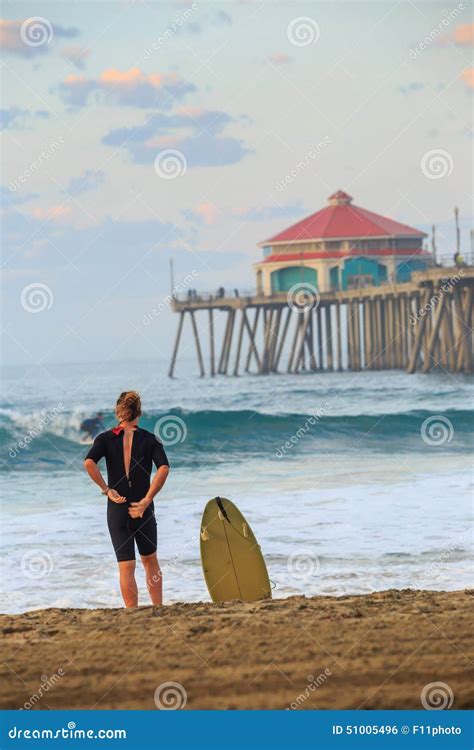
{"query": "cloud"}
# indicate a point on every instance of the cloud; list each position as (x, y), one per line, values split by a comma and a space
(264, 213)
(16, 118)
(207, 213)
(129, 88)
(203, 144)
(463, 35)
(9, 116)
(28, 37)
(89, 180)
(9, 198)
(206, 21)
(57, 214)
(223, 18)
(411, 88)
(279, 58)
(60, 239)
(468, 77)
(204, 213)
(76, 55)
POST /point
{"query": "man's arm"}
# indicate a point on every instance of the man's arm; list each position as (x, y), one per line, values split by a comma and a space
(157, 483)
(136, 510)
(94, 473)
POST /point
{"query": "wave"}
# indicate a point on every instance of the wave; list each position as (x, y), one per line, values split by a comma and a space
(192, 437)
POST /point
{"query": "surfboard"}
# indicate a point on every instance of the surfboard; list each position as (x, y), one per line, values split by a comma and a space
(231, 558)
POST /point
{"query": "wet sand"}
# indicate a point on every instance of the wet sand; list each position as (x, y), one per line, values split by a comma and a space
(374, 651)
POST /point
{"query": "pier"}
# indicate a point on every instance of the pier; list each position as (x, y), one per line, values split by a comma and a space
(419, 325)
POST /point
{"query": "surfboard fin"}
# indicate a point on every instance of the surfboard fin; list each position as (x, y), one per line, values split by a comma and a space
(204, 534)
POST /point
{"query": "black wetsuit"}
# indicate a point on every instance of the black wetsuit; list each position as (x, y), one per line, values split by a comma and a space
(146, 451)
(92, 426)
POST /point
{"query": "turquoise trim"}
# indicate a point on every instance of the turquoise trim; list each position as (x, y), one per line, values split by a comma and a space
(285, 278)
(363, 267)
(406, 268)
(335, 278)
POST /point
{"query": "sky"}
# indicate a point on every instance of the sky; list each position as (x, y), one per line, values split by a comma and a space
(134, 133)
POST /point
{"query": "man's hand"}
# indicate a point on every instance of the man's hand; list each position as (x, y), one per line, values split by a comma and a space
(115, 497)
(136, 510)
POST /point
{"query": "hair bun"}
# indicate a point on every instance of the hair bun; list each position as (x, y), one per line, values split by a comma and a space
(129, 406)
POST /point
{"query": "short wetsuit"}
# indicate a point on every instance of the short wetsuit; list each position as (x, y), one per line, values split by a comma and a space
(92, 426)
(146, 451)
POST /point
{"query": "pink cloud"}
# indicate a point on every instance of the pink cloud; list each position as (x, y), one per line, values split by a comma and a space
(76, 55)
(468, 77)
(129, 87)
(464, 35)
(279, 58)
(56, 214)
(28, 37)
(208, 212)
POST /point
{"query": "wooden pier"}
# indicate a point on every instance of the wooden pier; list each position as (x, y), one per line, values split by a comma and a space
(420, 325)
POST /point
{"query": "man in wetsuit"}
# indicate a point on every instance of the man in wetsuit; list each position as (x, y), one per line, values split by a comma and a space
(130, 453)
(94, 425)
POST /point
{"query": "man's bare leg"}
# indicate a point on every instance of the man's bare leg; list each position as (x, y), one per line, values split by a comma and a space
(154, 579)
(128, 585)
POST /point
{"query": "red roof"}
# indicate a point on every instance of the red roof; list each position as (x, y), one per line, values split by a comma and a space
(341, 219)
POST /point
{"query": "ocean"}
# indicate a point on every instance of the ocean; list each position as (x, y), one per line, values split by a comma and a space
(352, 482)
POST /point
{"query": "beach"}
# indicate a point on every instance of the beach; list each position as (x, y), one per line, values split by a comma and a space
(382, 650)
(368, 561)
(335, 502)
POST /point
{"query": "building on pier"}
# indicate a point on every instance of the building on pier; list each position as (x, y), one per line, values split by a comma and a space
(341, 247)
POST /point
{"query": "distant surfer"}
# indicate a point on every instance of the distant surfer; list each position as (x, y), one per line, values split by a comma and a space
(130, 453)
(93, 426)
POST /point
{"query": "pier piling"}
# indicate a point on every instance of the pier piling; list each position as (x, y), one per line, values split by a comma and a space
(417, 326)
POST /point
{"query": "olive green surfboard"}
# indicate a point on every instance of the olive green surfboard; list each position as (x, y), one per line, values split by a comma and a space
(231, 558)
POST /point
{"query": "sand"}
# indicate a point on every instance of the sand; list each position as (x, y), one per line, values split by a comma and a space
(374, 651)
